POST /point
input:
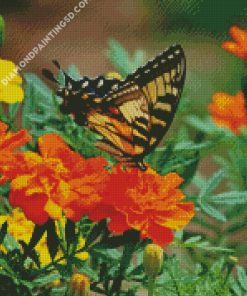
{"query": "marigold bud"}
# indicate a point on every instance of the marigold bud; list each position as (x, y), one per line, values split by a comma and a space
(79, 285)
(153, 257)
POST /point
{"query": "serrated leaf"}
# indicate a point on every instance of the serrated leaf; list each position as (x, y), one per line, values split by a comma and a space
(193, 239)
(235, 286)
(221, 161)
(212, 183)
(38, 84)
(44, 281)
(86, 270)
(198, 181)
(4, 265)
(191, 146)
(183, 135)
(38, 118)
(212, 212)
(229, 198)
(242, 277)
(198, 123)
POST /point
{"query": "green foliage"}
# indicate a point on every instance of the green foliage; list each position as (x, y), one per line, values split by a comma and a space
(1, 31)
(176, 281)
(204, 15)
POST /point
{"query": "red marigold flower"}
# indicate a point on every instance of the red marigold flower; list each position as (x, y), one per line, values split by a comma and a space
(9, 142)
(55, 181)
(229, 111)
(145, 201)
(239, 47)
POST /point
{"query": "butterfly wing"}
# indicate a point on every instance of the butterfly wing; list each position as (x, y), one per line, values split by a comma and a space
(147, 103)
(124, 123)
(133, 114)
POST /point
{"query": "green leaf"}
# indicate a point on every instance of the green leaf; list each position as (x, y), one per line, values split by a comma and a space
(1, 31)
(138, 58)
(193, 239)
(73, 72)
(221, 161)
(63, 270)
(183, 135)
(235, 286)
(212, 183)
(38, 118)
(198, 181)
(86, 270)
(197, 123)
(191, 146)
(242, 277)
(38, 84)
(13, 108)
(52, 238)
(119, 56)
(179, 234)
(3, 231)
(28, 105)
(229, 198)
(41, 282)
(212, 212)
(4, 265)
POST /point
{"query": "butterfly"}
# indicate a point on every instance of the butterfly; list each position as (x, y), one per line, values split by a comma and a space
(132, 115)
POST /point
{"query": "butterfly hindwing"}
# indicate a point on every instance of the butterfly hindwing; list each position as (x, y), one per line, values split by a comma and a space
(132, 115)
(125, 129)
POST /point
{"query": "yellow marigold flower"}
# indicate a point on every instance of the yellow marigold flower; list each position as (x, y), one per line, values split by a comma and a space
(21, 229)
(81, 255)
(79, 285)
(239, 47)
(113, 75)
(10, 90)
(229, 111)
(153, 258)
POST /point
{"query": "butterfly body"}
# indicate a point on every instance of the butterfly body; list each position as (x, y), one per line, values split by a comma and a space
(132, 114)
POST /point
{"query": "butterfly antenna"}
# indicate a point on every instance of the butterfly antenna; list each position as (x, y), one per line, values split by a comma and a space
(56, 63)
(49, 75)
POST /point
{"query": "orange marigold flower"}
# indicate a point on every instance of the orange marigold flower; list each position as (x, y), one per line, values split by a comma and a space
(57, 180)
(145, 201)
(9, 142)
(239, 47)
(229, 111)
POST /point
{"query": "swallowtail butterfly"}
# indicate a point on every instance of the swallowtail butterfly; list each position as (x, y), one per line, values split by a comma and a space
(132, 114)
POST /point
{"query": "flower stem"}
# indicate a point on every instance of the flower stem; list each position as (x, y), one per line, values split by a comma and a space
(151, 285)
